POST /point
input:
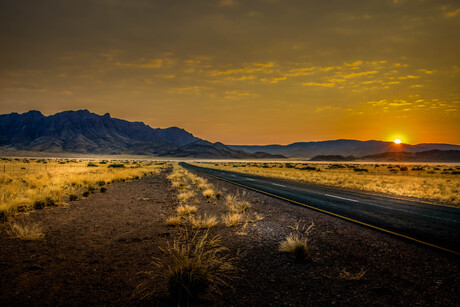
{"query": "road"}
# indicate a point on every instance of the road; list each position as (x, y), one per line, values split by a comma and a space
(436, 226)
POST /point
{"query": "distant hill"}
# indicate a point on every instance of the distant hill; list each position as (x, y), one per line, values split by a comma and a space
(423, 156)
(88, 133)
(341, 147)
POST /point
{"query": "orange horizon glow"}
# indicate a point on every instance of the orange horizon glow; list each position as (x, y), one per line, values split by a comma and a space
(225, 72)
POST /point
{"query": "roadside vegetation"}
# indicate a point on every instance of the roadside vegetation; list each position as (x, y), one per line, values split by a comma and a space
(435, 183)
(28, 184)
(198, 262)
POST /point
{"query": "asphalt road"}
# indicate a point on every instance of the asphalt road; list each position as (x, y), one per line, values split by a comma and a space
(419, 221)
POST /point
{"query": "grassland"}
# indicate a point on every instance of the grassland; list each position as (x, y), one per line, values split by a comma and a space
(27, 184)
(434, 183)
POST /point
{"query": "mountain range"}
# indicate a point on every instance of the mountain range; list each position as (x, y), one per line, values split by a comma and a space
(343, 148)
(85, 132)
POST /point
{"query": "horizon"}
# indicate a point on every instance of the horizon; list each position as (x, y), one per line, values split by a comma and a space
(242, 72)
(272, 144)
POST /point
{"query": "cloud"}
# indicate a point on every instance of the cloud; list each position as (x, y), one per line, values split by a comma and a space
(234, 94)
(452, 13)
(323, 84)
(142, 63)
(251, 68)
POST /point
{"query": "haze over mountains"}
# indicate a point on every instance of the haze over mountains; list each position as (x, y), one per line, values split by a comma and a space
(343, 148)
(85, 132)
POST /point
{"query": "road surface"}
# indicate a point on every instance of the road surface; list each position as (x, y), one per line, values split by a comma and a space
(432, 225)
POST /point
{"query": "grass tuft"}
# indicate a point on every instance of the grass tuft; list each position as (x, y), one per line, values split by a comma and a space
(232, 219)
(28, 233)
(352, 276)
(196, 264)
(174, 221)
(297, 243)
(186, 210)
(203, 222)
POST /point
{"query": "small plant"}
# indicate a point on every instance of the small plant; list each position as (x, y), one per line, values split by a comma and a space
(297, 243)
(252, 218)
(203, 222)
(86, 194)
(40, 204)
(73, 197)
(352, 276)
(101, 183)
(103, 189)
(218, 195)
(91, 164)
(174, 221)
(186, 210)
(116, 165)
(242, 206)
(184, 197)
(232, 219)
(195, 264)
(28, 233)
(208, 193)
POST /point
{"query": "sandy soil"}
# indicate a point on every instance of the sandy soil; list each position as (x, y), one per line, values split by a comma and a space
(94, 249)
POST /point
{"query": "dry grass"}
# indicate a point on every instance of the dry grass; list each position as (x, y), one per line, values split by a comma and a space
(194, 264)
(184, 197)
(209, 193)
(344, 274)
(437, 183)
(32, 184)
(297, 243)
(28, 233)
(174, 221)
(203, 222)
(232, 219)
(186, 210)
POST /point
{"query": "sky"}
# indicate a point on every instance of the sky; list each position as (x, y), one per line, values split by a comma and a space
(241, 72)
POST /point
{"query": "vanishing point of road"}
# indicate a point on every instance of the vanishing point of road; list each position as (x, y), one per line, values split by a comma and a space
(432, 225)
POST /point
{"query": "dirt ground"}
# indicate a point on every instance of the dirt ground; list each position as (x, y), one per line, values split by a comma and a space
(94, 249)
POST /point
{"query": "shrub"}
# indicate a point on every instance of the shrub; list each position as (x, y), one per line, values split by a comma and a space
(174, 221)
(73, 197)
(184, 197)
(186, 210)
(208, 193)
(40, 204)
(101, 183)
(203, 222)
(195, 264)
(232, 219)
(116, 165)
(91, 164)
(28, 233)
(103, 189)
(297, 243)
(86, 194)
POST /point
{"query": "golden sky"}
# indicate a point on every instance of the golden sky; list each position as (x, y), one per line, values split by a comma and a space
(241, 72)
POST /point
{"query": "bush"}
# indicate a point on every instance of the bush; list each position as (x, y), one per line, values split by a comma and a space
(103, 189)
(195, 264)
(86, 194)
(116, 165)
(297, 243)
(73, 197)
(91, 164)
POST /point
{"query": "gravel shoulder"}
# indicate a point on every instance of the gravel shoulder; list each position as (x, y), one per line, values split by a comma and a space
(94, 249)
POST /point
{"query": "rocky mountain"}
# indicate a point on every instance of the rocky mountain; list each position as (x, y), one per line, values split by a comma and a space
(341, 147)
(85, 132)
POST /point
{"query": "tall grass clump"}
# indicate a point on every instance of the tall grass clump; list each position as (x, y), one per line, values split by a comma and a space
(186, 209)
(203, 222)
(297, 242)
(193, 265)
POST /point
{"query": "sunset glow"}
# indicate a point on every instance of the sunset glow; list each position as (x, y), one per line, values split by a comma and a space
(226, 72)
(397, 141)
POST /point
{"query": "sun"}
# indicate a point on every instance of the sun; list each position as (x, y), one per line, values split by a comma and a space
(397, 141)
